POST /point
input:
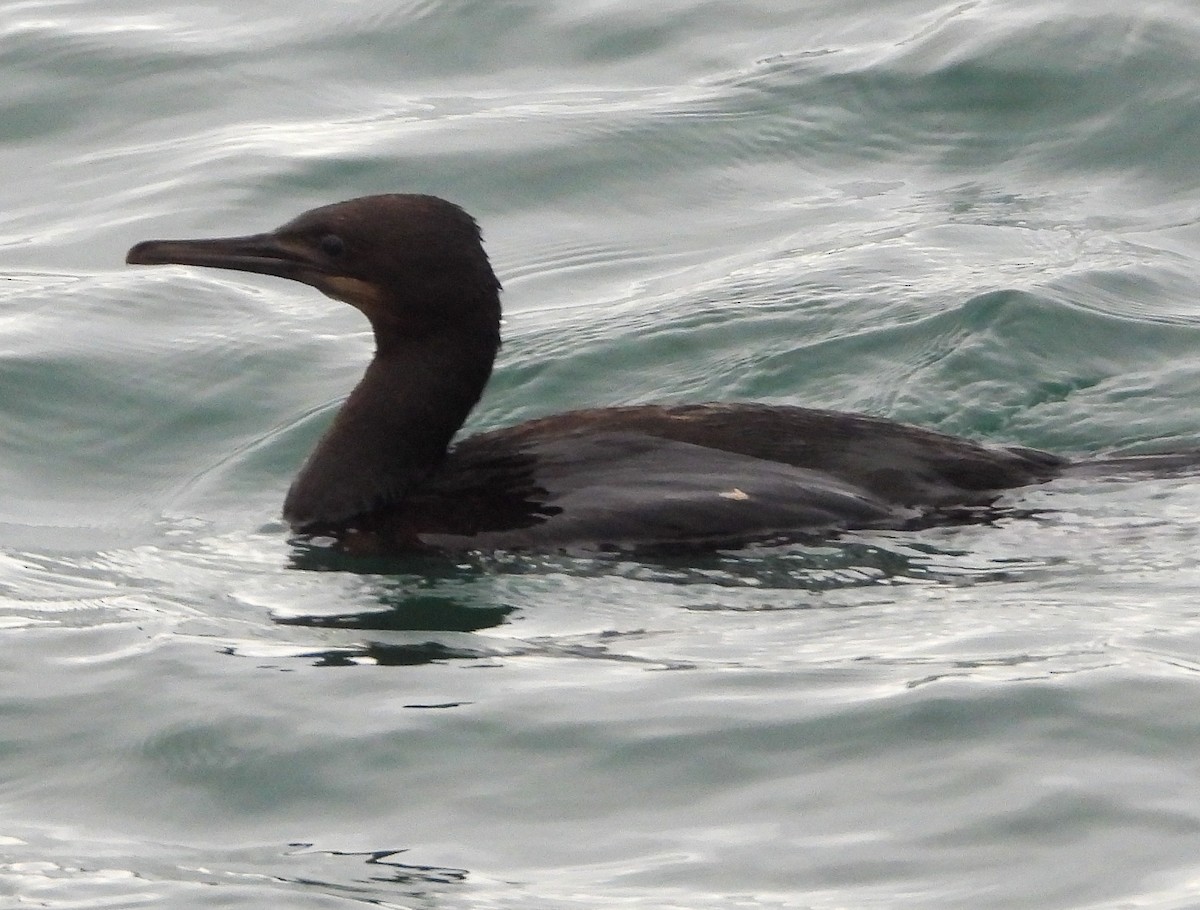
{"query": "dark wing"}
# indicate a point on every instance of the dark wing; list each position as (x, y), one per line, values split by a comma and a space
(694, 476)
(631, 491)
(896, 462)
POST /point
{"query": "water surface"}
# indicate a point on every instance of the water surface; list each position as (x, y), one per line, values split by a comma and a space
(978, 217)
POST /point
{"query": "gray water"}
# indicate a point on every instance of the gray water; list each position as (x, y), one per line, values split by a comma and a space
(979, 217)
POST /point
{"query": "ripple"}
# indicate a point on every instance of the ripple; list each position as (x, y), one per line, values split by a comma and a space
(47, 868)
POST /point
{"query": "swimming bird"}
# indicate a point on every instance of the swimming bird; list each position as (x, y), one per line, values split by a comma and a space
(386, 477)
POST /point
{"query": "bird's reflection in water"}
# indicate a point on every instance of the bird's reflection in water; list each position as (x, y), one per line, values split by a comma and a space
(457, 600)
(409, 613)
(412, 594)
(397, 655)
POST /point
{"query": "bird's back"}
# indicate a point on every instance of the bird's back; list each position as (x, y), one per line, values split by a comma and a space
(695, 475)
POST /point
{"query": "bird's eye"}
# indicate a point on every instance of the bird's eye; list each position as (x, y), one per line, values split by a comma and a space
(332, 245)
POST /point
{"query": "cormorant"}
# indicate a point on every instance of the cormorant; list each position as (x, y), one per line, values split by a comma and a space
(385, 478)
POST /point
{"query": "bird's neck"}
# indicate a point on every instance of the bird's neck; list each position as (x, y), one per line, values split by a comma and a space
(394, 428)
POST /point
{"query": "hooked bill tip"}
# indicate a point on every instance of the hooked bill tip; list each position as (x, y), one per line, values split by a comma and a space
(142, 254)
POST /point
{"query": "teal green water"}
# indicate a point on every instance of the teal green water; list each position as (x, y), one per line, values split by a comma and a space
(975, 216)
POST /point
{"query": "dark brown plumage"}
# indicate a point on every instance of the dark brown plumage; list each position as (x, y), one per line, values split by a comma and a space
(384, 478)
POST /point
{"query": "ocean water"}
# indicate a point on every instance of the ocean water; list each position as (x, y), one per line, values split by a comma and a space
(978, 216)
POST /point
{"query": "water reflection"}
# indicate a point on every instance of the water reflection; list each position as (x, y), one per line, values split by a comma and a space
(410, 613)
(397, 655)
(436, 610)
(51, 871)
(399, 873)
